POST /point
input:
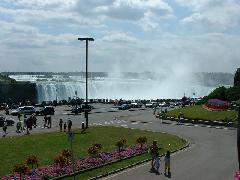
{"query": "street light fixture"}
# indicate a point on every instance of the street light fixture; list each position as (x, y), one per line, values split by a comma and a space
(86, 103)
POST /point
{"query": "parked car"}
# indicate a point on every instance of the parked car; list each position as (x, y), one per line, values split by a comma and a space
(136, 105)
(14, 106)
(23, 110)
(149, 105)
(163, 104)
(124, 107)
(10, 121)
(81, 108)
(46, 110)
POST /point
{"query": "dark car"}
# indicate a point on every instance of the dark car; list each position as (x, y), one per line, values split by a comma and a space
(81, 108)
(124, 107)
(10, 121)
(46, 110)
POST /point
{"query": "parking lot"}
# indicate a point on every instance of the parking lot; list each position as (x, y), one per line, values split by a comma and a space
(101, 114)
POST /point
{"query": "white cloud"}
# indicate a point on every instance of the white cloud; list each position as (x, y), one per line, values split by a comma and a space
(31, 34)
(214, 13)
(118, 37)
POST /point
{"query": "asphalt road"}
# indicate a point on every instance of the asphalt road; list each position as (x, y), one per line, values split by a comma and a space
(212, 154)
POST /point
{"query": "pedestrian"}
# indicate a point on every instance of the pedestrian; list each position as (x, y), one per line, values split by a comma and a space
(65, 126)
(60, 124)
(30, 122)
(34, 118)
(4, 128)
(19, 117)
(19, 127)
(45, 121)
(49, 122)
(25, 122)
(154, 110)
(154, 151)
(7, 110)
(69, 124)
(167, 171)
(157, 163)
(28, 126)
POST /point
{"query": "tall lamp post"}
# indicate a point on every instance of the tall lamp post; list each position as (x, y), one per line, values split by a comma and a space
(86, 103)
(238, 137)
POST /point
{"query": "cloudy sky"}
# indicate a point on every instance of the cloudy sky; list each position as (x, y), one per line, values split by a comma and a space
(130, 35)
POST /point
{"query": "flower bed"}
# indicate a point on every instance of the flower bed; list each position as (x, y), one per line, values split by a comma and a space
(237, 175)
(216, 104)
(57, 170)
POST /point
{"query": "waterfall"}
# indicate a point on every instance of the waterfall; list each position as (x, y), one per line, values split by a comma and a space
(113, 88)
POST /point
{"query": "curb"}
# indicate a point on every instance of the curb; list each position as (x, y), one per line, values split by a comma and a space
(204, 123)
(135, 164)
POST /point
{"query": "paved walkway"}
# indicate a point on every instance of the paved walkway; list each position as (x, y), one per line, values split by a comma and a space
(212, 155)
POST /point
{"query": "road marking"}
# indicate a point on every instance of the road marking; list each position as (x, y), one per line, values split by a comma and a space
(196, 125)
(134, 123)
(124, 125)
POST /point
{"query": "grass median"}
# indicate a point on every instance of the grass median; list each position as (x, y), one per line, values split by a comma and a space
(47, 145)
(199, 113)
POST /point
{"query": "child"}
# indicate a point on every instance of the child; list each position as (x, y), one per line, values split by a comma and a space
(65, 127)
(157, 163)
(167, 163)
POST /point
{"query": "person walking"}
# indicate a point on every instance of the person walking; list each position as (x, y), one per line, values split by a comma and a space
(7, 110)
(69, 122)
(45, 121)
(49, 122)
(157, 164)
(25, 122)
(19, 127)
(4, 128)
(154, 151)
(19, 117)
(167, 171)
(28, 125)
(65, 126)
(154, 110)
(34, 119)
(60, 124)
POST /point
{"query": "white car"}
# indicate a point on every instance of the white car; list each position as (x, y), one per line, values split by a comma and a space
(24, 110)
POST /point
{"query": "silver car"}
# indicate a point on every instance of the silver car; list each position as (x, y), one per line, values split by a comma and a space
(24, 110)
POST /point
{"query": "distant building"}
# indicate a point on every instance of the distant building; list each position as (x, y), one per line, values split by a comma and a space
(237, 78)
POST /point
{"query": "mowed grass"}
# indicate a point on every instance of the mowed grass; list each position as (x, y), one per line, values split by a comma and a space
(198, 112)
(46, 146)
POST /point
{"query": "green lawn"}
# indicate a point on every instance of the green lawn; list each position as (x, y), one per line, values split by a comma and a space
(198, 112)
(47, 145)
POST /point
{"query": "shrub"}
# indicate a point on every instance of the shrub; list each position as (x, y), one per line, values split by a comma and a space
(142, 140)
(21, 168)
(32, 160)
(94, 149)
(60, 159)
(66, 153)
(121, 143)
